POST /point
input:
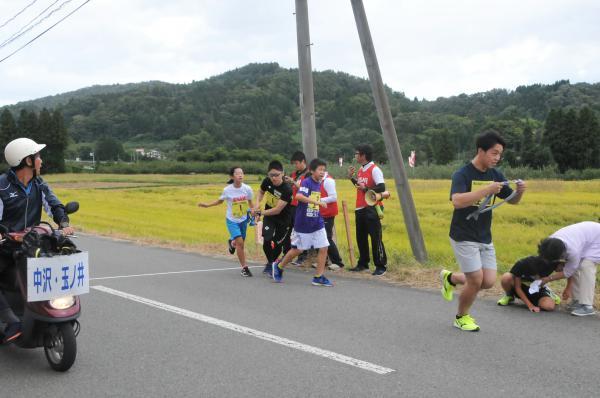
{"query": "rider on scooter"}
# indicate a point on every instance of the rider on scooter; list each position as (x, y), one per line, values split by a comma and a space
(22, 195)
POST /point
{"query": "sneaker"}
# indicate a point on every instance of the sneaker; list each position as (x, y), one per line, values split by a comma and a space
(335, 267)
(246, 271)
(553, 296)
(359, 268)
(506, 299)
(447, 288)
(268, 270)
(277, 272)
(573, 305)
(12, 332)
(466, 323)
(321, 281)
(583, 310)
(380, 271)
(230, 246)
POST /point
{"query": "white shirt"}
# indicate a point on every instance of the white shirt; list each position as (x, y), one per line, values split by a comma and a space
(329, 186)
(237, 201)
(582, 241)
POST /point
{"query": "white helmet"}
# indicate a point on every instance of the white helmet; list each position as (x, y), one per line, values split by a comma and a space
(19, 149)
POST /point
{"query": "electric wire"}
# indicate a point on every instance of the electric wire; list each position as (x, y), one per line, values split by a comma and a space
(17, 14)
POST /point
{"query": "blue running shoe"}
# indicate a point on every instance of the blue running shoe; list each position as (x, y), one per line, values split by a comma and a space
(321, 281)
(277, 272)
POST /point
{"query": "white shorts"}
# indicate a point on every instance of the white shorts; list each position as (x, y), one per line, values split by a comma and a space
(473, 256)
(313, 240)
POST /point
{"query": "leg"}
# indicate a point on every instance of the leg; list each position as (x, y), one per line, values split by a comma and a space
(546, 303)
(332, 250)
(321, 258)
(374, 230)
(362, 239)
(586, 283)
(507, 282)
(289, 256)
(489, 278)
(239, 246)
(469, 292)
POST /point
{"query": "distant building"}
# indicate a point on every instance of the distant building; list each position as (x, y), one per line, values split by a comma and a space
(154, 154)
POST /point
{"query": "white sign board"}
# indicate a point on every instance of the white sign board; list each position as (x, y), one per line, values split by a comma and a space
(53, 277)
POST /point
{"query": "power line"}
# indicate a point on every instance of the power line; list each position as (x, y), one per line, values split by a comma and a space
(21, 31)
(17, 14)
(27, 28)
(41, 34)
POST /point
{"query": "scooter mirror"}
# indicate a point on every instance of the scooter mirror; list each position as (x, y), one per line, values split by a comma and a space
(72, 207)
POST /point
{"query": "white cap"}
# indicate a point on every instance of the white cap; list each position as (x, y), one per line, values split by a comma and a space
(19, 149)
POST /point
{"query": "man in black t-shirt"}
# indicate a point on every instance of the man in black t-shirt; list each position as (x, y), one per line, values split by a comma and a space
(517, 282)
(277, 217)
(474, 185)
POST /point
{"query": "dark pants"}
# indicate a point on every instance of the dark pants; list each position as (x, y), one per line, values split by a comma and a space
(274, 237)
(5, 262)
(369, 224)
(332, 250)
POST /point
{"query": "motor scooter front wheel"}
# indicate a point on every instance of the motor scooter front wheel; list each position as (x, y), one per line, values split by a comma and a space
(61, 348)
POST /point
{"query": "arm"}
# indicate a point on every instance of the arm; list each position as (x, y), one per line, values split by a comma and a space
(521, 187)
(210, 204)
(379, 180)
(305, 199)
(466, 199)
(329, 185)
(521, 294)
(553, 277)
(275, 210)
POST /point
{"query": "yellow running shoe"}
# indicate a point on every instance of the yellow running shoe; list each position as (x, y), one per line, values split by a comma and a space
(506, 299)
(466, 323)
(447, 288)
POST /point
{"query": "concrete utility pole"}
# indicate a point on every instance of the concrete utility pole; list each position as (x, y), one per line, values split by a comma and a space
(389, 134)
(307, 97)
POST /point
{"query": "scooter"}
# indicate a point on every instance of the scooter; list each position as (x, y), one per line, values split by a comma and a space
(43, 290)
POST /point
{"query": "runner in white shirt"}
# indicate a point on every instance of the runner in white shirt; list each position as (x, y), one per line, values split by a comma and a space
(238, 197)
(582, 242)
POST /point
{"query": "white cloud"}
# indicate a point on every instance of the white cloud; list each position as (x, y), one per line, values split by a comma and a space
(425, 49)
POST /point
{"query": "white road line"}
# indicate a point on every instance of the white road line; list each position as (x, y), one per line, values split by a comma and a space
(250, 332)
(171, 273)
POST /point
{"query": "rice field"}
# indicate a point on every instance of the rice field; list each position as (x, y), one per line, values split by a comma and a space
(163, 209)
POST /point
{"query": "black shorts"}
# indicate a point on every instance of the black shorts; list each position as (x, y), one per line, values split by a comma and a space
(535, 297)
(273, 231)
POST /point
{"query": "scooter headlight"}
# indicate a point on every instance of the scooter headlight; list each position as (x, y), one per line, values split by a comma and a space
(62, 303)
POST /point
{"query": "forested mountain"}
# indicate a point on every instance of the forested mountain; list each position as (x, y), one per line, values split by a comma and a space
(256, 107)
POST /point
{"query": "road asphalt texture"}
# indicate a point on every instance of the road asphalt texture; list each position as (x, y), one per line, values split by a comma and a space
(130, 349)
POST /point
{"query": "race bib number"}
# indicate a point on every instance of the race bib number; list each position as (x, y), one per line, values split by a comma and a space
(476, 186)
(313, 210)
(271, 200)
(238, 209)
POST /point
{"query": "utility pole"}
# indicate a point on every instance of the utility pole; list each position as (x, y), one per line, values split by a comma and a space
(389, 134)
(307, 97)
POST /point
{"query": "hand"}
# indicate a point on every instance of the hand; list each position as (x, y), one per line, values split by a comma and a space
(566, 294)
(288, 179)
(68, 231)
(521, 186)
(351, 171)
(322, 204)
(362, 186)
(494, 188)
(533, 308)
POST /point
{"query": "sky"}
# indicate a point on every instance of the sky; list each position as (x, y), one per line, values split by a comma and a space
(426, 49)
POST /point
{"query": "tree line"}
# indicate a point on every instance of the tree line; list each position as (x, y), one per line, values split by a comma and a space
(252, 113)
(46, 127)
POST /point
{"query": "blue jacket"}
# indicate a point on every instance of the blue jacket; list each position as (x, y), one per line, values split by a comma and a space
(21, 206)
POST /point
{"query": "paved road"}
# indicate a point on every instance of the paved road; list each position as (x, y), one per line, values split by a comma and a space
(213, 333)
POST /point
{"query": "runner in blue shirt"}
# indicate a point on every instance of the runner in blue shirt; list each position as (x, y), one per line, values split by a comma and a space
(309, 229)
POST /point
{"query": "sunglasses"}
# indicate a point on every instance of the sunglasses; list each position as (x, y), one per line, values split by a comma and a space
(273, 175)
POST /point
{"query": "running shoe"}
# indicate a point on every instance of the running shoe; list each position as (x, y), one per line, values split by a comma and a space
(277, 272)
(574, 304)
(447, 288)
(583, 310)
(379, 271)
(230, 246)
(321, 281)
(12, 332)
(553, 295)
(246, 271)
(335, 267)
(268, 270)
(359, 268)
(506, 299)
(466, 323)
